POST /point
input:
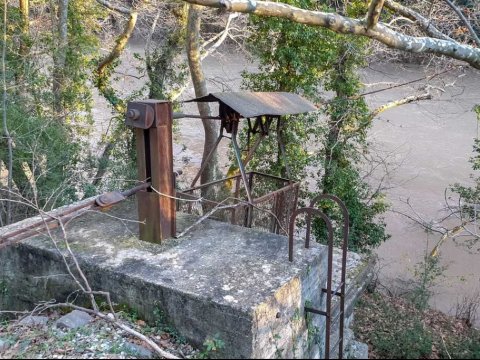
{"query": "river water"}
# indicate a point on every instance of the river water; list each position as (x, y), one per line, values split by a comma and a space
(427, 145)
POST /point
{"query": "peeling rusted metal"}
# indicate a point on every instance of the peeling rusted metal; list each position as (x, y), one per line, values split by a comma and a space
(109, 199)
(249, 214)
(152, 121)
(254, 104)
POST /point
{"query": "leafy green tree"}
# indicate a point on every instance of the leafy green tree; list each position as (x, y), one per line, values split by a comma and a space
(300, 59)
(50, 159)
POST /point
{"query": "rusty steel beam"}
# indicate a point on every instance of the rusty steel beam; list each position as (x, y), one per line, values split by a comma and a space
(153, 121)
(102, 202)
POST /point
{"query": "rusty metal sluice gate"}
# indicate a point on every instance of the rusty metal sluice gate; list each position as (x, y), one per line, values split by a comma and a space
(265, 202)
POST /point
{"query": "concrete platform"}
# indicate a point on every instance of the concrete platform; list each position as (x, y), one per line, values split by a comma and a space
(219, 281)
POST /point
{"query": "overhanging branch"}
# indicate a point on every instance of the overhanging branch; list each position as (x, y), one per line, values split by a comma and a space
(425, 24)
(350, 26)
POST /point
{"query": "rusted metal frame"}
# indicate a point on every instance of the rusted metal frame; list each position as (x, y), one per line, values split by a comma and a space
(238, 155)
(273, 193)
(310, 211)
(54, 219)
(249, 210)
(342, 286)
(280, 205)
(273, 217)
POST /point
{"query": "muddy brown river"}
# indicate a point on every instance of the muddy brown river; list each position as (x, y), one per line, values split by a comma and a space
(428, 145)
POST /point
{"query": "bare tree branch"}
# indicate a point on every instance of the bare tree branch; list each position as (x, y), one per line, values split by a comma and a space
(113, 7)
(400, 102)
(120, 44)
(425, 24)
(465, 21)
(346, 25)
(374, 11)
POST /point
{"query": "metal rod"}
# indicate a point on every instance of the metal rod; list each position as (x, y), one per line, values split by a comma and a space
(207, 160)
(312, 211)
(238, 155)
(315, 311)
(273, 193)
(346, 229)
(178, 115)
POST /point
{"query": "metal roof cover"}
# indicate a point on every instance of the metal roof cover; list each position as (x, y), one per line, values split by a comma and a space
(253, 104)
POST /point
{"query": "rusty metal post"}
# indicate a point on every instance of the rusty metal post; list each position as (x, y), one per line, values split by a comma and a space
(152, 120)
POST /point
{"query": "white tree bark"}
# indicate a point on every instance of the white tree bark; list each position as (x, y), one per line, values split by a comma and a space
(350, 26)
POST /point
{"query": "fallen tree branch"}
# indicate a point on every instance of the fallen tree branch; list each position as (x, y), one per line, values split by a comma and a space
(400, 102)
(425, 24)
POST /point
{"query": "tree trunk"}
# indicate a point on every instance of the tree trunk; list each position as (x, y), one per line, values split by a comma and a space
(25, 11)
(6, 133)
(60, 56)
(199, 83)
(106, 90)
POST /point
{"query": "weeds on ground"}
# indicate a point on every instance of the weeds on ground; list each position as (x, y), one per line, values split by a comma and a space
(394, 328)
(210, 348)
(403, 327)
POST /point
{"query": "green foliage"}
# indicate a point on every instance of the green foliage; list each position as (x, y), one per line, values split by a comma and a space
(297, 58)
(398, 342)
(50, 157)
(45, 158)
(426, 273)
(466, 348)
(211, 347)
(470, 195)
(395, 328)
